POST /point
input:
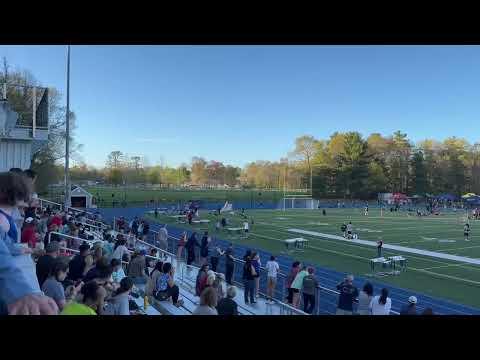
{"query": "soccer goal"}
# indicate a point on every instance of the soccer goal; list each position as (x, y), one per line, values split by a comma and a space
(298, 202)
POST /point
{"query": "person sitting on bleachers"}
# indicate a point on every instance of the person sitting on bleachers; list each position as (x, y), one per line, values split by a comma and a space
(166, 288)
(120, 250)
(80, 264)
(101, 268)
(228, 306)
(53, 287)
(137, 266)
(46, 262)
(118, 274)
(152, 279)
(118, 303)
(208, 303)
(92, 301)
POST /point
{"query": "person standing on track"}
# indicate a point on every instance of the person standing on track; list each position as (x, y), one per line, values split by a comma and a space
(229, 264)
(245, 228)
(190, 246)
(379, 247)
(272, 270)
(349, 230)
(343, 229)
(466, 232)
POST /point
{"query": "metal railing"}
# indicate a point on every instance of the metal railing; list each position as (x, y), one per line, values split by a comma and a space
(166, 257)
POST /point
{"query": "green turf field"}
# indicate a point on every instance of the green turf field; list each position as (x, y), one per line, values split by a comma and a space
(137, 196)
(453, 280)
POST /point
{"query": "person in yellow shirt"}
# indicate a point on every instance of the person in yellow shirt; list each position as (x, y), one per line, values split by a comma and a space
(92, 303)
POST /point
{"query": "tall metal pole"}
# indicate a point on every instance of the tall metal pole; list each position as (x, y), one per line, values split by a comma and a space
(67, 134)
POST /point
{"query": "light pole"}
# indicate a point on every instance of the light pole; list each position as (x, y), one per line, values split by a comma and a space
(67, 137)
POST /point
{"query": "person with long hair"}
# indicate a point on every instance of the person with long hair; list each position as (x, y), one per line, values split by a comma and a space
(291, 276)
(120, 250)
(153, 278)
(365, 297)
(256, 264)
(118, 303)
(92, 301)
(381, 304)
(201, 280)
(204, 248)
(248, 281)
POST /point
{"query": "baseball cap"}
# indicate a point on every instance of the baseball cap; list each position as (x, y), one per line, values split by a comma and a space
(412, 300)
(52, 246)
(28, 220)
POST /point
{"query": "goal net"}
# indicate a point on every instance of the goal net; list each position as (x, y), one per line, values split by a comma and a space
(226, 207)
(288, 203)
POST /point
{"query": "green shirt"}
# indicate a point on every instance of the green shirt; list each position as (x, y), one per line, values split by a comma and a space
(298, 282)
(77, 309)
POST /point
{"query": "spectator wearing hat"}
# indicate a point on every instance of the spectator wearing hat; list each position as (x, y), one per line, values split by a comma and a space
(46, 262)
(80, 264)
(309, 289)
(29, 234)
(228, 306)
(410, 308)
(348, 295)
(137, 267)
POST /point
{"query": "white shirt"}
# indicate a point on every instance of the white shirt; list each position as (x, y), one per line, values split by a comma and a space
(119, 251)
(380, 309)
(245, 225)
(272, 268)
(349, 227)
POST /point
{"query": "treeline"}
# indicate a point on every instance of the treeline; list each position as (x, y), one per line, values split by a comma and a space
(345, 165)
(348, 165)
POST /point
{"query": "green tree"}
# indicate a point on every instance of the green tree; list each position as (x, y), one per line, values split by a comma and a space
(418, 178)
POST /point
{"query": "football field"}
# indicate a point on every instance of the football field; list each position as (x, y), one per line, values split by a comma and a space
(454, 280)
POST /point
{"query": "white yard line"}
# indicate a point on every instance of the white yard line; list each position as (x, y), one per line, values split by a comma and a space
(393, 247)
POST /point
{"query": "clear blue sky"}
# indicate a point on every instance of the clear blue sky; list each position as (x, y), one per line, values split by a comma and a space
(242, 103)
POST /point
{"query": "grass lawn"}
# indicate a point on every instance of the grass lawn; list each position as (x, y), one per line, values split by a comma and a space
(136, 196)
(459, 282)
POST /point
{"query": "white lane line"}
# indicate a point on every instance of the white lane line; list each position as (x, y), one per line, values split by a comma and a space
(393, 247)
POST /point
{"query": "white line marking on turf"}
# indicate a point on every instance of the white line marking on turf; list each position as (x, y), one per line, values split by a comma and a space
(393, 247)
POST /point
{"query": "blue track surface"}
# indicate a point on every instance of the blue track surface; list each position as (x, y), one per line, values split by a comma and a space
(328, 278)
